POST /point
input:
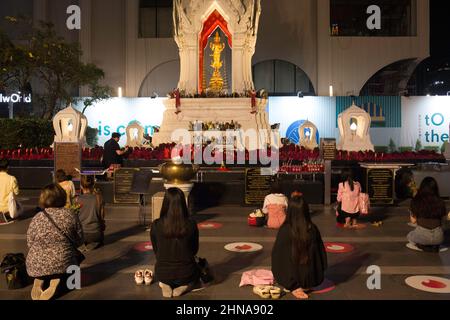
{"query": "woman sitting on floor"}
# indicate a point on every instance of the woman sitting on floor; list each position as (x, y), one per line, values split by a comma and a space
(63, 180)
(427, 211)
(92, 213)
(299, 258)
(348, 196)
(175, 243)
(275, 205)
(53, 237)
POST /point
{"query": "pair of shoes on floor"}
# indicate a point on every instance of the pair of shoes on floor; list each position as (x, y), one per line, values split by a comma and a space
(143, 276)
(267, 292)
(37, 293)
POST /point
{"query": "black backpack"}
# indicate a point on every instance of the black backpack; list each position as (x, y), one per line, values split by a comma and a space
(15, 270)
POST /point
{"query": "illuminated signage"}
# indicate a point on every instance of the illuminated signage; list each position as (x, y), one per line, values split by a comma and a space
(15, 98)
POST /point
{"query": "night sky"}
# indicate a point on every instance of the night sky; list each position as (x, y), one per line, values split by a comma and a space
(440, 28)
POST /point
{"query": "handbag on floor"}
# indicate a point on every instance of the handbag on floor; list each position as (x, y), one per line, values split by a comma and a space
(364, 203)
(256, 218)
(15, 270)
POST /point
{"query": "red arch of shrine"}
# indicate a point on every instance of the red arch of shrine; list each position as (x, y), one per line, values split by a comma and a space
(214, 20)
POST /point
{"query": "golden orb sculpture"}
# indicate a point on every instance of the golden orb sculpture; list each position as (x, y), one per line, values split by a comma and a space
(178, 173)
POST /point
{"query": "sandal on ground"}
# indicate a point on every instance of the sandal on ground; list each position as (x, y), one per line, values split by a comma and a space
(148, 277)
(51, 290)
(36, 292)
(275, 293)
(262, 291)
(300, 294)
(139, 277)
(166, 290)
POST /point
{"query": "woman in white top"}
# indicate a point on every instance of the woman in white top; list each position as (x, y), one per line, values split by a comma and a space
(8, 185)
(275, 205)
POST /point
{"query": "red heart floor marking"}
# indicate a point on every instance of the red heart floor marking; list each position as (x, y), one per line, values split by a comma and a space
(434, 284)
(209, 225)
(143, 247)
(244, 247)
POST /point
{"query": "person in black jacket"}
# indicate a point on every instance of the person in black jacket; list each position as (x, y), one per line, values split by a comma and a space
(175, 243)
(299, 258)
(112, 154)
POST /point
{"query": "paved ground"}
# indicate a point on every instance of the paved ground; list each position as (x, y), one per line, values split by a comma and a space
(107, 273)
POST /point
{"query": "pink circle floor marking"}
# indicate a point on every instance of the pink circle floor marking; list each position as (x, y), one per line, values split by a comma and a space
(243, 247)
(429, 284)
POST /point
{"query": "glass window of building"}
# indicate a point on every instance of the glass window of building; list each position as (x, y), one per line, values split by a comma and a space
(281, 78)
(348, 18)
(155, 19)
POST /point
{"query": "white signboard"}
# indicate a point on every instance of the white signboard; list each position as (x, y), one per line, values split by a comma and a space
(426, 119)
(423, 118)
(114, 115)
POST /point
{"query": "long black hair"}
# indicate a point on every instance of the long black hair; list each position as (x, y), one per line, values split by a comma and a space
(174, 214)
(429, 186)
(275, 187)
(347, 176)
(299, 220)
(427, 204)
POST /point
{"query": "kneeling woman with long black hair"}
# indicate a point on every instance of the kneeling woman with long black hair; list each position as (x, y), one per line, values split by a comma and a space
(175, 243)
(299, 258)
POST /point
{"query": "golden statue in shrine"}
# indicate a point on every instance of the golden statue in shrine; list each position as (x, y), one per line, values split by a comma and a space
(216, 82)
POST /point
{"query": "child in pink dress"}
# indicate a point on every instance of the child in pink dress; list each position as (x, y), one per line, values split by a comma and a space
(275, 205)
(348, 196)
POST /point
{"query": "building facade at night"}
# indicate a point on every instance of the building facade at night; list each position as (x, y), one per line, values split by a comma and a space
(303, 45)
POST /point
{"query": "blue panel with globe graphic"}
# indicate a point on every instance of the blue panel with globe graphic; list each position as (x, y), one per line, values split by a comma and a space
(292, 132)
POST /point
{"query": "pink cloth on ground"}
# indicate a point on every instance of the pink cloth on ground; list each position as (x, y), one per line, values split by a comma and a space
(258, 277)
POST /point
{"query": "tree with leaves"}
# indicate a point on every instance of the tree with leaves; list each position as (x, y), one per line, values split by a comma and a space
(16, 66)
(418, 145)
(55, 63)
(392, 147)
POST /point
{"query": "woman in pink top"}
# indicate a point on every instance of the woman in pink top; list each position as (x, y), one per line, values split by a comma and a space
(275, 205)
(348, 196)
